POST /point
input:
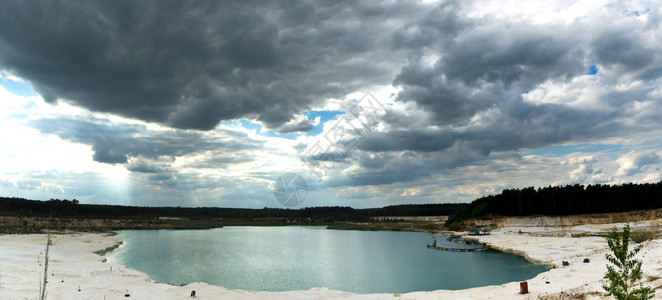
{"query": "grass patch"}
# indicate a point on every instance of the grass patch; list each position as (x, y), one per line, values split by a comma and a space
(19, 229)
(569, 296)
(643, 235)
(581, 235)
(456, 226)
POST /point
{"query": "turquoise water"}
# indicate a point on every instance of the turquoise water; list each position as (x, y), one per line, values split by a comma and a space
(303, 257)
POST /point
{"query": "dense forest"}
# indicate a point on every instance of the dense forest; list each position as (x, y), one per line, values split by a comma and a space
(552, 200)
(564, 200)
(73, 209)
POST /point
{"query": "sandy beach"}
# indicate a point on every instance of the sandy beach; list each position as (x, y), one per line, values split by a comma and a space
(75, 271)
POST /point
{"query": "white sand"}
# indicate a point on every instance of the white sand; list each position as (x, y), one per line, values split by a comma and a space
(72, 260)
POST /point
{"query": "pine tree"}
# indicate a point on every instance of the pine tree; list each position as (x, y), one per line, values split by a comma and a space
(626, 270)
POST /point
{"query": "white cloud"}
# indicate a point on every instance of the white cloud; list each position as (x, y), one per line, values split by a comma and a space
(634, 163)
(451, 77)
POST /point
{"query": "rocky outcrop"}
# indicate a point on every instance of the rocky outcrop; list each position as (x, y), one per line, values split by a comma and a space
(561, 221)
(77, 224)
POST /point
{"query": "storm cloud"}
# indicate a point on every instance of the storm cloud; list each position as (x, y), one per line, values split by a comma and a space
(210, 101)
(119, 144)
(486, 81)
(191, 64)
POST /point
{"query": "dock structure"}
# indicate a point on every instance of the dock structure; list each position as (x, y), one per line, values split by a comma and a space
(457, 249)
(453, 238)
(434, 245)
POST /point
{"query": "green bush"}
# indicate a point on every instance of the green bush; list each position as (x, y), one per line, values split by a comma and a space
(643, 235)
(456, 226)
(624, 273)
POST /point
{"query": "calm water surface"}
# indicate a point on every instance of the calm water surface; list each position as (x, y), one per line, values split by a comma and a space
(300, 258)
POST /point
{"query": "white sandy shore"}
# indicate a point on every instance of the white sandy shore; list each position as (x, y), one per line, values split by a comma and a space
(73, 263)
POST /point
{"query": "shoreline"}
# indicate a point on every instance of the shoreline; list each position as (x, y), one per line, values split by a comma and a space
(74, 260)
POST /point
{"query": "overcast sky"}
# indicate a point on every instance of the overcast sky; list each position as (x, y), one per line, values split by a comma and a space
(207, 103)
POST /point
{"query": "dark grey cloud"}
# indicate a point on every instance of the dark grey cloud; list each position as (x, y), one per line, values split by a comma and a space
(463, 110)
(470, 75)
(113, 143)
(399, 140)
(442, 22)
(469, 78)
(143, 165)
(385, 168)
(388, 168)
(484, 64)
(646, 159)
(618, 46)
(509, 126)
(221, 160)
(191, 64)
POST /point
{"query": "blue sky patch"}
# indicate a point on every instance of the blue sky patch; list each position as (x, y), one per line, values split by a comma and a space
(18, 88)
(636, 13)
(592, 70)
(325, 116)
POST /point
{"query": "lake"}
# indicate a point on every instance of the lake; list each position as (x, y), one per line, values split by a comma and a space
(302, 257)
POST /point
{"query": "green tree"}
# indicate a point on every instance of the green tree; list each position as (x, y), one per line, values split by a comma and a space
(626, 270)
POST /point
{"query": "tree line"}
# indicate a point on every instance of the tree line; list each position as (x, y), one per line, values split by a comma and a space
(564, 200)
(73, 209)
(551, 200)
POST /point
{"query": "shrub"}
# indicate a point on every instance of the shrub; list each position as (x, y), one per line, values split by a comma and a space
(625, 273)
(456, 226)
(643, 235)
